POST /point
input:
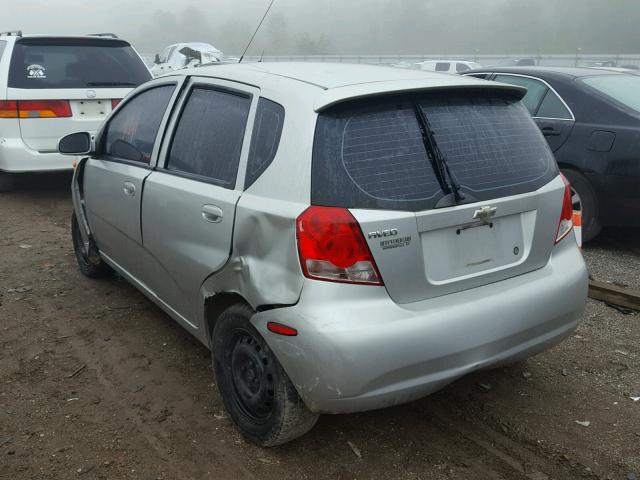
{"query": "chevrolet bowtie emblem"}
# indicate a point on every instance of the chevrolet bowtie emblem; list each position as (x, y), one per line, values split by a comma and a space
(485, 214)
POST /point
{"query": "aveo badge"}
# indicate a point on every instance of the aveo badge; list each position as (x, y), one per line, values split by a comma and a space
(393, 242)
(36, 71)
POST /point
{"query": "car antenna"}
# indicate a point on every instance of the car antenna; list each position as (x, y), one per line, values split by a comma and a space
(256, 32)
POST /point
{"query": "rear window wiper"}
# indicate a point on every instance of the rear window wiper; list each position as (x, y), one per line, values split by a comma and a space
(438, 160)
(111, 84)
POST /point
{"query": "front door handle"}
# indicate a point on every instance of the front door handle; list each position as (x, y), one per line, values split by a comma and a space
(212, 214)
(129, 189)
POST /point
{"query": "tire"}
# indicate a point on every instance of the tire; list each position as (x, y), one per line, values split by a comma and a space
(584, 199)
(91, 265)
(8, 182)
(255, 389)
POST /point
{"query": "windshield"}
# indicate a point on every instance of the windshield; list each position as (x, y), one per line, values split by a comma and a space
(75, 63)
(622, 88)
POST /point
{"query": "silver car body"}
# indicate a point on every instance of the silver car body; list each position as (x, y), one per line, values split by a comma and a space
(446, 308)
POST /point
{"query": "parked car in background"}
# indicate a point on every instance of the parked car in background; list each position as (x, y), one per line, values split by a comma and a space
(185, 55)
(518, 62)
(591, 118)
(343, 237)
(54, 85)
(447, 66)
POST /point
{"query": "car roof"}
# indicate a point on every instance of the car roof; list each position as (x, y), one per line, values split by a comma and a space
(566, 72)
(339, 81)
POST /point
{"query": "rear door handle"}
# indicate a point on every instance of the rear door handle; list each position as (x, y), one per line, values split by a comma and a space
(550, 132)
(212, 214)
(129, 189)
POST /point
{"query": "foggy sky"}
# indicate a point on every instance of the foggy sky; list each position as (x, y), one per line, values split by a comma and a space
(346, 26)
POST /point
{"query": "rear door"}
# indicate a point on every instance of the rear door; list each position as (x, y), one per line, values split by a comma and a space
(113, 180)
(189, 202)
(66, 85)
(551, 113)
(370, 156)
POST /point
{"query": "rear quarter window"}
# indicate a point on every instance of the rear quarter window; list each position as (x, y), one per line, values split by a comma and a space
(370, 154)
(75, 63)
(267, 131)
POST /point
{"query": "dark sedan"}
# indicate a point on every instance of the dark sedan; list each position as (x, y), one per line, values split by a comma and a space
(591, 119)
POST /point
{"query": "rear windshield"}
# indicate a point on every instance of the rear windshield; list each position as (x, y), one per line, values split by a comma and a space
(75, 63)
(371, 154)
(622, 88)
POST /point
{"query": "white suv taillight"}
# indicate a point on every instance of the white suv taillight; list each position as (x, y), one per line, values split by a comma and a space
(566, 217)
(332, 247)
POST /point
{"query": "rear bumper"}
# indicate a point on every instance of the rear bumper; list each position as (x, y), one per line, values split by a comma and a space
(16, 157)
(357, 350)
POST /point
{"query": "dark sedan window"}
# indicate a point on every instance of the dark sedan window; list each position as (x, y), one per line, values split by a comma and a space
(553, 107)
(536, 90)
(624, 89)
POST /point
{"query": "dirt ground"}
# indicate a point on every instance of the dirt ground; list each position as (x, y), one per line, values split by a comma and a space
(96, 382)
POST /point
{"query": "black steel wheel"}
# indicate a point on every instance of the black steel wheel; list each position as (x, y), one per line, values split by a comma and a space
(255, 389)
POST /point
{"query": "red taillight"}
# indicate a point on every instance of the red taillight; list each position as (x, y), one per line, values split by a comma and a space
(115, 102)
(8, 109)
(281, 329)
(332, 248)
(44, 108)
(566, 217)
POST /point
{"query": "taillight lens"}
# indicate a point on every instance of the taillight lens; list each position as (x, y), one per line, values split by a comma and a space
(44, 108)
(8, 109)
(332, 247)
(115, 102)
(566, 217)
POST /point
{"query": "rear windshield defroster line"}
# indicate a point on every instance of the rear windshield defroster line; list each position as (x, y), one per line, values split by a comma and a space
(371, 154)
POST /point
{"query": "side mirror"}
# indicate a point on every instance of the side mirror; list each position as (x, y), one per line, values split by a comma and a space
(157, 59)
(75, 144)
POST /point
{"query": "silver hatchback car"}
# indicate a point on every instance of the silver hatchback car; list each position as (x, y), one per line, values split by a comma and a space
(342, 237)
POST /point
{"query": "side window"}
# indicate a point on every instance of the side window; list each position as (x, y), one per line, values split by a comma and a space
(462, 67)
(3, 45)
(442, 66)
(536, 90)
(552, 107)
(209, 135)
(265, 139)
(131, 133)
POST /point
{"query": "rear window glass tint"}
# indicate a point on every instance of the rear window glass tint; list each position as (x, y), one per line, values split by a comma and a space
(131, 133)
(371, 154)
(624, 89)
(442, 66)
(75, 63)
(267, 130)
(462, 67)
(209, 135)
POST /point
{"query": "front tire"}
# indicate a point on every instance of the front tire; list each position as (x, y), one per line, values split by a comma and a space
(91, 265)
(255, 389)
(584, 200)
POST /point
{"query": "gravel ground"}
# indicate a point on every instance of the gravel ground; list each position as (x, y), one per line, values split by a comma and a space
(97, 383)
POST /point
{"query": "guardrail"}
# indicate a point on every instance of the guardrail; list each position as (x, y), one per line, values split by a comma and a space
(546, 60)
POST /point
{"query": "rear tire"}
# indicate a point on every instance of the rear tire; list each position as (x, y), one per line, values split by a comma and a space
(584, 199)
(8, 182)
(255, 389)
(91, 265)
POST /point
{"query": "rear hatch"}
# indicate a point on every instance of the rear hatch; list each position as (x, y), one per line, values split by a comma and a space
(372, 157)
(65, 85)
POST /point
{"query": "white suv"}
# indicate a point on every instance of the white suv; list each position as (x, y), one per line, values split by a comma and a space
(51, 86)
